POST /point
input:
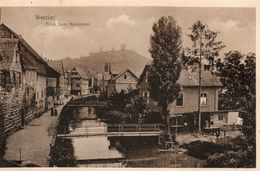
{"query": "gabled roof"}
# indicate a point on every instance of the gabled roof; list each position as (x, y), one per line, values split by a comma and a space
(191, 78)
(58, 66)
(24, 43)
(143, 74)
(80, 71)
(44, 68)
(122, 72)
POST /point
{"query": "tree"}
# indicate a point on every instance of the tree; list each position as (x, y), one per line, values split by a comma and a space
(237, 74)
(136, 110)
(205, 48)
(118, 101)
(166, 45)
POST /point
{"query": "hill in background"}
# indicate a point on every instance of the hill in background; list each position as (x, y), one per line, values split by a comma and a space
(119, 60)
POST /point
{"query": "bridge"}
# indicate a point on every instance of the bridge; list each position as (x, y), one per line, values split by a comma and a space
(81, 103)
(118, 130)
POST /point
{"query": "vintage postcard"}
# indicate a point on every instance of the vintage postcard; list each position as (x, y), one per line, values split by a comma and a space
(128, 86)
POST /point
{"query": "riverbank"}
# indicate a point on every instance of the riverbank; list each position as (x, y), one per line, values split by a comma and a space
(32, 144)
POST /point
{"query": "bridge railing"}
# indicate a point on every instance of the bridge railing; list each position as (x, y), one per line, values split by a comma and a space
(133, 127)
(103, 103)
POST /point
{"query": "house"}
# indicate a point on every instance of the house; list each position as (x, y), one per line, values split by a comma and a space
(54, 87)
(185, 107)
(64, 79)
(79, 82)
(143, 90)
(116, 82)
(23, 80)
(126, 81)
(92, 82)
(11, 86)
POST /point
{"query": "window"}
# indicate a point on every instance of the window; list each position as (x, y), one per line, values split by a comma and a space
(77, 85)
(7, 77)
(203, 99)
(89, 110)
(220, 117)
(146, 94)
(20, 78)
(125, 76)
(90, 83)
(14, 78)
(179, 100)
(17, 57)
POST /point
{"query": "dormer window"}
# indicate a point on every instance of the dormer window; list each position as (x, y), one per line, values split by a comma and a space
(1, 58)
(125, 76)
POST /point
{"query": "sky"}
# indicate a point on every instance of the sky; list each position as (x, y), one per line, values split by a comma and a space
(107, 28)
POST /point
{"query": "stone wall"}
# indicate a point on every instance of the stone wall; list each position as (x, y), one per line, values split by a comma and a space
(29, 104)
(11, 102)
(16, 108)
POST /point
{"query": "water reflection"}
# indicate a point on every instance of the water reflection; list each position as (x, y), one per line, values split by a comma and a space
(101, 151)
(94, 148)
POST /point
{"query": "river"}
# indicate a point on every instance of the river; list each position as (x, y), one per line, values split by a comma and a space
(103, 151)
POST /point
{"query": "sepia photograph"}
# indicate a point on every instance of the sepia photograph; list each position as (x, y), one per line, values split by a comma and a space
(127, 87)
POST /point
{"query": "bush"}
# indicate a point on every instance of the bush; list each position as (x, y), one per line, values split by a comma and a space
(153, 118)
(240, 153)
(63, 154)
(203, 149)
